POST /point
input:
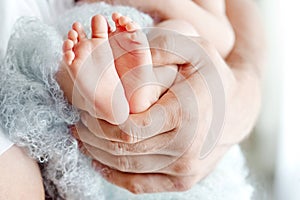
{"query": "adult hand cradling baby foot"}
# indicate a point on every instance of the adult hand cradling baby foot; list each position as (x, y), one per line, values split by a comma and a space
(212, 105)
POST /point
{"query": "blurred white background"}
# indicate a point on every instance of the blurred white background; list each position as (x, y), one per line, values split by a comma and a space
(273, 150)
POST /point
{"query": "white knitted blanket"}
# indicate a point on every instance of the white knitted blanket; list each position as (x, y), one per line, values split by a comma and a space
(36, 116)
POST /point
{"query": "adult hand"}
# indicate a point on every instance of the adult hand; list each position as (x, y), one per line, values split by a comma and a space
(169, 147)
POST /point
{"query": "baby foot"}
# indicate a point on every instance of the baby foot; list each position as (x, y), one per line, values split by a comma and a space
(91, 65)
(134, 63)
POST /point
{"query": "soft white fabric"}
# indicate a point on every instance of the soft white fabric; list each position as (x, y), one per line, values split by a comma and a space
(35, 115)
(5, 144)
(33, 110)
(10, 12)
(227, 182)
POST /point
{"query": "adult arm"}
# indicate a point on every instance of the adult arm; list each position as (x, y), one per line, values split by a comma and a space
(208, 21)
(127, 162)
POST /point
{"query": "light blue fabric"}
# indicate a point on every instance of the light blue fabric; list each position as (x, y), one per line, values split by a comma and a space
(36, 116)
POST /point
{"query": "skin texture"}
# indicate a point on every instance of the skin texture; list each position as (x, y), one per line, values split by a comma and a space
(143, 90)
(207, 17)
(133, 64)
(137, 145)
(20, 176)
(90, 79)
(241, 80)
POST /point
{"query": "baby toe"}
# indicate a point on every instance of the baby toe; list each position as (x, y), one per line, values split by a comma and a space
(99, 27)
(68, 45)
(123, 21)
(132, 26)
(115, 17)
(69, 57)
(73, 35)
(80, 31)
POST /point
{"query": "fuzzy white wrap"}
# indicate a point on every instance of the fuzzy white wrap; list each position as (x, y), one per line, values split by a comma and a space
(35, 115)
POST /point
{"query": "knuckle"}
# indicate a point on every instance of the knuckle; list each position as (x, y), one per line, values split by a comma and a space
(120, 133)
(140, 148)
(130, 132)
(135, 188)
(124, 137)
(181, 184)
(123, 163)
(141, 134)
(116, 148)
(128, 164)
(183, 168)
(135, 132)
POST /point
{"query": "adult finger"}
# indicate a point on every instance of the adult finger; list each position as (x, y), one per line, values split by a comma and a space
(137, 164)
(250, 45)
(181, 168)
(164, 116)
(172, 143)
(161, 144)
(164, 150)
(146, 183)
(100, 129)
(169, 47)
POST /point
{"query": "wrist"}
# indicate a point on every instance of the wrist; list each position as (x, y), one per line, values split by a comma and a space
(243, 106)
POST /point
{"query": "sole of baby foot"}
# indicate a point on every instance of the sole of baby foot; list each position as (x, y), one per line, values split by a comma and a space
(134, 63)
(91, 65)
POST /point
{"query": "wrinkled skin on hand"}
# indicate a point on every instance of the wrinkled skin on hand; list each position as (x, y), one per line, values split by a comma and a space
(212, 105)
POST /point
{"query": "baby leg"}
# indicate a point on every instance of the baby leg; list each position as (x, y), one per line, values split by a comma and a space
(20, 176)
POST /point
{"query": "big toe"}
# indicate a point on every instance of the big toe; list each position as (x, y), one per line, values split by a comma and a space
(99, 27)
